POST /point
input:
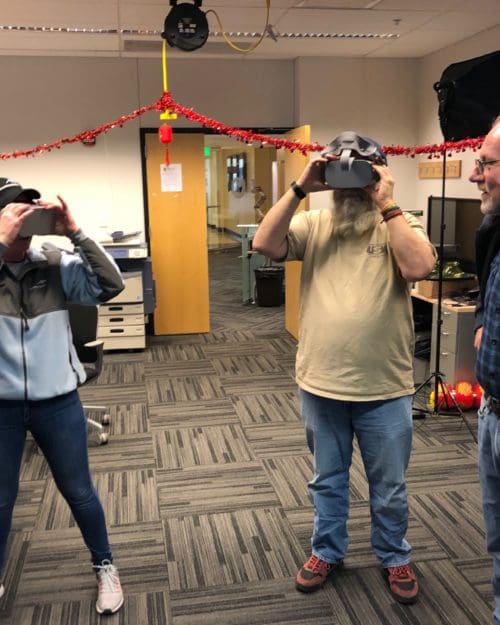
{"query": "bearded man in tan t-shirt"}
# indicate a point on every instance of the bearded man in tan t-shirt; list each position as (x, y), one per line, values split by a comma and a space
(354, 363)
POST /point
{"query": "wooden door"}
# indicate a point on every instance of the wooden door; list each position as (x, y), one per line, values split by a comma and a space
(292, 165)
(178, 236)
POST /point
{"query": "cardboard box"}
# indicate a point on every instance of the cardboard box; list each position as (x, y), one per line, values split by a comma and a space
(429, 288)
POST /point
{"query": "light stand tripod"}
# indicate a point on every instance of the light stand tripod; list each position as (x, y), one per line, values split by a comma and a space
(436, 377)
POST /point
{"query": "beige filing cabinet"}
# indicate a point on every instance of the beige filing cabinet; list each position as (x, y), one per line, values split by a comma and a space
(121, 320)
(457, 354)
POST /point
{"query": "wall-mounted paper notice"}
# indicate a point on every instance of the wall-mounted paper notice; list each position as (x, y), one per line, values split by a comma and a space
(171, 177)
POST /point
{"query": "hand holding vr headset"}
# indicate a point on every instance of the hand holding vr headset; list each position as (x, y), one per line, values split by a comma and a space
(355, 168)
(350, 162)
(61, 219)
(23, 214)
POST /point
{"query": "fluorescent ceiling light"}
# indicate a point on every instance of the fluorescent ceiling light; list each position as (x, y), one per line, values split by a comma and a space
(157, 33)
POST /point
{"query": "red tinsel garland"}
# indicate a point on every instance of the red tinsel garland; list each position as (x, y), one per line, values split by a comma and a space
(247, 136)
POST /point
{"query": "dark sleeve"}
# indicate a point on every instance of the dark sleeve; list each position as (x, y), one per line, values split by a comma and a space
(90, 275)
(479, 314)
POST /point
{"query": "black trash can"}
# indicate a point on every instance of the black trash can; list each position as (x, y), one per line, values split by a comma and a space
(269, 285)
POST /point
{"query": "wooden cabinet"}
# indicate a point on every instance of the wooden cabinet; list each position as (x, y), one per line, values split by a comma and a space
(457, 356)
(121, 320)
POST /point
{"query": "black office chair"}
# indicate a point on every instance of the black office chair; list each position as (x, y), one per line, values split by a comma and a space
(83, 322)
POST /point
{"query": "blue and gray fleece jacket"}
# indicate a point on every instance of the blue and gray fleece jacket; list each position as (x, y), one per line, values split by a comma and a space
(37, 356)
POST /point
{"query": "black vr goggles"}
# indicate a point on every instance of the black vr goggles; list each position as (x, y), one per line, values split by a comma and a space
(353, 172)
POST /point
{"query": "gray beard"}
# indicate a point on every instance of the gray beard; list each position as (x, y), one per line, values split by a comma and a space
(354, 212)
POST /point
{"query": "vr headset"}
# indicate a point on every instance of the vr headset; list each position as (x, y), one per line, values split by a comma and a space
(41, 222)
(353, 171)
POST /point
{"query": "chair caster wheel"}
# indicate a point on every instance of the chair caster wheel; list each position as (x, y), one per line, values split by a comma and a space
(103, 438)
(105, 419)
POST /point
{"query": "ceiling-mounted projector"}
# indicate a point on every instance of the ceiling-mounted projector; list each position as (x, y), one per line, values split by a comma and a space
(186, 26)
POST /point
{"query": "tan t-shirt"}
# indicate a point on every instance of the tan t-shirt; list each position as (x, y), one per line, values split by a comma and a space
(355, 321)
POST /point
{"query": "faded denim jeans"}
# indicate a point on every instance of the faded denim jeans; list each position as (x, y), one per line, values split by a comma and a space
(59, 428)
(383, 430)
(489, 477)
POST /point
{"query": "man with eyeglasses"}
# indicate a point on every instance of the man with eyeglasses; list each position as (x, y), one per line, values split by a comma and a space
(482, 164)
(486, 174)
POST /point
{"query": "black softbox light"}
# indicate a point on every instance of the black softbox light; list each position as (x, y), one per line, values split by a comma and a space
(469, 97)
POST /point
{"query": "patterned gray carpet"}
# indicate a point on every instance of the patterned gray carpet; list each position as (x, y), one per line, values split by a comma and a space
(204, 487)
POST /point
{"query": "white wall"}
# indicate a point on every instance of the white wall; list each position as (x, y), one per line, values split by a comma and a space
(430, 70)
(374, 97)
(48, 98)
(51, 98)
(238, 92)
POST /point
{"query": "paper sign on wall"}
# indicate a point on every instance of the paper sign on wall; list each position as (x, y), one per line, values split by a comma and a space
(171, 177)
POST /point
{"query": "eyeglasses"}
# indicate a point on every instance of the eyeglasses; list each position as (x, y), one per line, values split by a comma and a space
(480, 164)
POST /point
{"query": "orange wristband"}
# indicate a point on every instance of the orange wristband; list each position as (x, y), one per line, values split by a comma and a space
(389, 204)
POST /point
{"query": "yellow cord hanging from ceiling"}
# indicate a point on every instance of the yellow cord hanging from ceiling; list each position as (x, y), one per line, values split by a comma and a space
(233, 45)
(166, 114)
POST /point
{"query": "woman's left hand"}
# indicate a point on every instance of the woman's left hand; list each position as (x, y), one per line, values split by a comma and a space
(65, 224)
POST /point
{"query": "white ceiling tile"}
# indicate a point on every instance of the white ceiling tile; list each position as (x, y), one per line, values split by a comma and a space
(59, 13)
(420, 5)
(417, 44)
(423, 25)
(460, 21)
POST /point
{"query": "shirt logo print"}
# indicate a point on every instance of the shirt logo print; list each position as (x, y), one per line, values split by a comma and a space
(377, 249)
(41, 284)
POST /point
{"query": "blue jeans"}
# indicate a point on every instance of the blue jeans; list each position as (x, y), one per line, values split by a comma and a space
(59, 428)
(384, 433)
(489, 477)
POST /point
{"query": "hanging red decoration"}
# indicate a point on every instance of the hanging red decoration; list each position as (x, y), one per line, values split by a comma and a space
(166, 103)
(88, 139)
(166, 134)
(85, 135)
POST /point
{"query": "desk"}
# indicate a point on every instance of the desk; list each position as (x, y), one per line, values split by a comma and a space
(457, 356)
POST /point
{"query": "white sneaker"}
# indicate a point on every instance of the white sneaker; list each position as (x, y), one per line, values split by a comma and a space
(2, 590)
(109, 590)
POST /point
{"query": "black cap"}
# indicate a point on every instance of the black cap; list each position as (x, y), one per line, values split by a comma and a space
(10, 191)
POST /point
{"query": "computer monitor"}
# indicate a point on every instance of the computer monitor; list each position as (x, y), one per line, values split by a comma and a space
(462, 217)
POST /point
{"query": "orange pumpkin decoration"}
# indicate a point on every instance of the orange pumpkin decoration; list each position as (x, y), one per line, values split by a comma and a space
(464, 395)
(445, 397)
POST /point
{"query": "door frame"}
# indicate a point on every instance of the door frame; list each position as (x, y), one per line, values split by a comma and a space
(143, 132)
(185, 130)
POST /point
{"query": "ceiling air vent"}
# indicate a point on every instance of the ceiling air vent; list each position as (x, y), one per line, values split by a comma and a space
(142, 46)
(151, 46)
